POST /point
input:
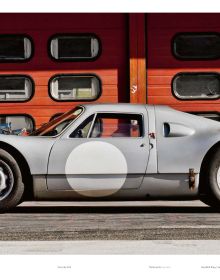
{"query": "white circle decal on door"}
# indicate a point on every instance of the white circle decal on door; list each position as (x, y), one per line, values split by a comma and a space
(96, 169)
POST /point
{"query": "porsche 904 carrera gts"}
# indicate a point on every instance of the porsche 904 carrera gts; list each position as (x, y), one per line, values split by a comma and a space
(113, 152)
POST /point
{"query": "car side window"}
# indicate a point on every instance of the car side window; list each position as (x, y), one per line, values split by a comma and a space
(83, 130)
(117, 125)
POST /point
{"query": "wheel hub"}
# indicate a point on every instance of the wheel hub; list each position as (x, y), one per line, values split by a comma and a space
(3, 178)
(6, 180)
(218, 177)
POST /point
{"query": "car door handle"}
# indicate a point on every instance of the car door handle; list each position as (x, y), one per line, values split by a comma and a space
(142, 145)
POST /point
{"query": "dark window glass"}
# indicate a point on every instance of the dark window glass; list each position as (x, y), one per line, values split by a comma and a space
(15, 47)
(12, 124)
(196, 46)
(75, 87)
(15, 88)
(196, 85)
(73, 47)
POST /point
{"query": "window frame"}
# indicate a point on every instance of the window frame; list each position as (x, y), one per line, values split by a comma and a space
(75, 75)
(175, 55)
(54, 116)
(95, 114)
(22, 76)
(21, 115)
(19, 60)
(177, 96)
(75, 59)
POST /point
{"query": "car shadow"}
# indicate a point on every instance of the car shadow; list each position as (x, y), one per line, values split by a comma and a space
(111, 210)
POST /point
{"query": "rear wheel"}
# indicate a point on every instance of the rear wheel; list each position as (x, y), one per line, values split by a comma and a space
(211, 181)
(11, 185)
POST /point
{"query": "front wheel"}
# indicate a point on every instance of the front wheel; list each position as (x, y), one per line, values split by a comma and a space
(11, 185)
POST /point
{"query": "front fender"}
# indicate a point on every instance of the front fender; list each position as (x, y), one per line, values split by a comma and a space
(34, 149)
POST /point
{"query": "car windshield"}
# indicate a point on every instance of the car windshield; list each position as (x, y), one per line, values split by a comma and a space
(57, 125)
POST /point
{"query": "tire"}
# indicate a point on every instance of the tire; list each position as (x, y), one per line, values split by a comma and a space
(11, 185)
(211, 181)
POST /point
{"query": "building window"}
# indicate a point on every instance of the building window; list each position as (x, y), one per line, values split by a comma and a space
(16, 124)
(196, 86)
(75, 87)
(15, 88)
(74, 47)
(193, 46)
(15, 48)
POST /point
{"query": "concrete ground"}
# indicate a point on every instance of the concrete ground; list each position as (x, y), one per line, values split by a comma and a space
(109, 247)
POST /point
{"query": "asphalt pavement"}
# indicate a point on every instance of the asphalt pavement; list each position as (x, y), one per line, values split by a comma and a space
(158, 220)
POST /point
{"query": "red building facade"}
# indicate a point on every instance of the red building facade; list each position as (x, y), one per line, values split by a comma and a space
(51, 62)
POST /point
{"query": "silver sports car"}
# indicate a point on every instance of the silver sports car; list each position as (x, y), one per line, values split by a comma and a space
(115, 152)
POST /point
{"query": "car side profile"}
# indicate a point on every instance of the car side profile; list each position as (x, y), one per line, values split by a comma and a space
(113, 152)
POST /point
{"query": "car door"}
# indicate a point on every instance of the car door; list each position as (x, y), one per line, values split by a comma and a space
(105, 153)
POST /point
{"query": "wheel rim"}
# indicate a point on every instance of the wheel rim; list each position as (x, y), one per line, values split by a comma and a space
(6, 180)
(218, 177)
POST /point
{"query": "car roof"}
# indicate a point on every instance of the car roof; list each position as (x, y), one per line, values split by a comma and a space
(117, 106)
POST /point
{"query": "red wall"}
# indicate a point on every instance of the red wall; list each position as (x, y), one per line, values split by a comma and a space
(123, 54)
(111, 66)
(162, 65)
